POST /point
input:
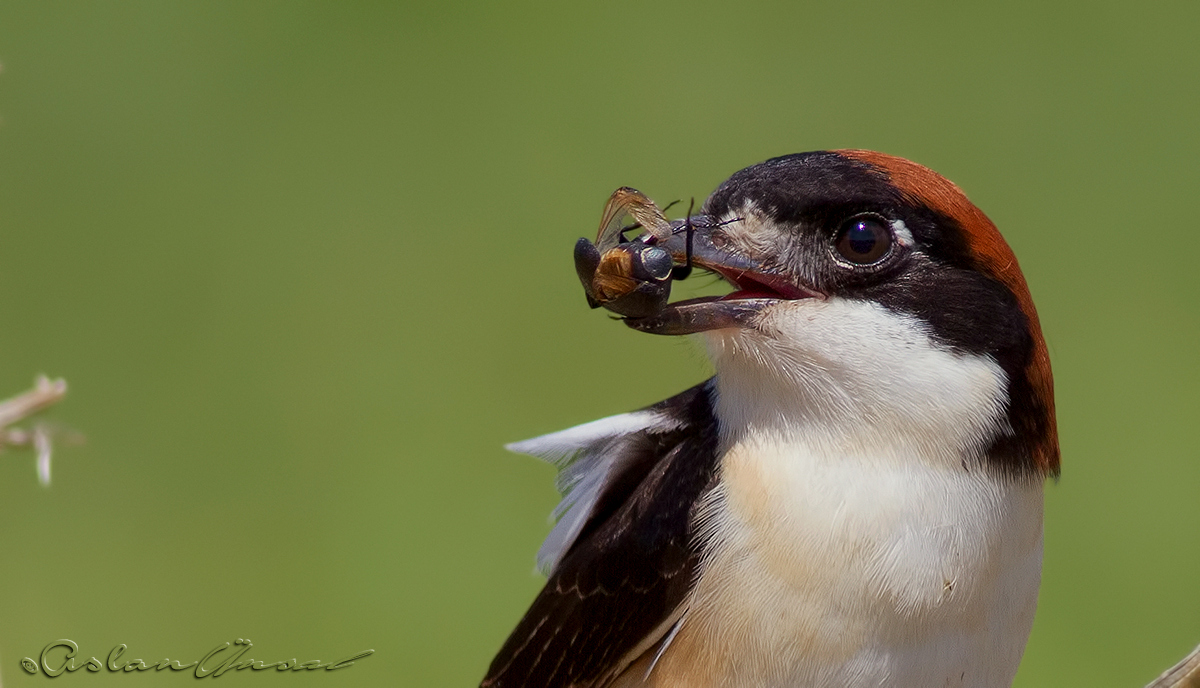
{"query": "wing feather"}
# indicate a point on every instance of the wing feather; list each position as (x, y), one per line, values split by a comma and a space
(622, 568)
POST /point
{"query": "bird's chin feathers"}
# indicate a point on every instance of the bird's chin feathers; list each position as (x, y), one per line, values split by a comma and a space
(854, 375)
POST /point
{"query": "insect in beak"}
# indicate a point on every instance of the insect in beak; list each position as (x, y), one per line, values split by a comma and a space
(631, 277)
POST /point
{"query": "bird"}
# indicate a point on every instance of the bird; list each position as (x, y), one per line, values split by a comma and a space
(854, 498)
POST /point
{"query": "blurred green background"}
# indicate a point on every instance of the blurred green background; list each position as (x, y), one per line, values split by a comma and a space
(306, 267)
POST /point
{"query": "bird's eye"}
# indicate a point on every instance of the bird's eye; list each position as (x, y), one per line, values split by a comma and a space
(864, 239)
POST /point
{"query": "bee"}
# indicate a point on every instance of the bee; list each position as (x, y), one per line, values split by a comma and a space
(631, 277)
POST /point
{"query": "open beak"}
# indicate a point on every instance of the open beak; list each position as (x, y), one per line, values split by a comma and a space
(755, 286)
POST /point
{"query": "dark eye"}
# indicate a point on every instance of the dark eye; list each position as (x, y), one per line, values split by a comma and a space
(864, 239)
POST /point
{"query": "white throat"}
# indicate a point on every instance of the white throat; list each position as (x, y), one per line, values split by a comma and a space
(852, 376)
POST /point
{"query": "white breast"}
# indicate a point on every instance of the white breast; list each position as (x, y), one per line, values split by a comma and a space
(857, 538)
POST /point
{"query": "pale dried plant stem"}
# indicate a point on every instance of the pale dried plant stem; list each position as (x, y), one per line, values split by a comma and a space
(45, 392)
(1185, 674)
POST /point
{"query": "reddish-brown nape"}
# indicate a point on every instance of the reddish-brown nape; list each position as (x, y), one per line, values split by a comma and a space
(992, 255)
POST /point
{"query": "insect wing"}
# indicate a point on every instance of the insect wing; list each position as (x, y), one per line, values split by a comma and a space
(626, 208)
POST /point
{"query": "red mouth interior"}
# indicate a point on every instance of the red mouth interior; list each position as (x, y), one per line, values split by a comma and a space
(752, 285)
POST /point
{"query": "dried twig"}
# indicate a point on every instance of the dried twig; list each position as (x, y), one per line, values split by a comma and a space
(45, 392)
(1185, 674)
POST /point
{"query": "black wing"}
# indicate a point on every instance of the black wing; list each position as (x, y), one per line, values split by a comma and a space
(631, 566)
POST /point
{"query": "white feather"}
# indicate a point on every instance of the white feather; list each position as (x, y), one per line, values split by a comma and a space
(586, 457)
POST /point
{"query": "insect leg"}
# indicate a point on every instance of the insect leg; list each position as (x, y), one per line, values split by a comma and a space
(684, 271)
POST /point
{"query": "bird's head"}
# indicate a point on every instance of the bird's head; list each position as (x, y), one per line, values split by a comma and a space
(876, 292)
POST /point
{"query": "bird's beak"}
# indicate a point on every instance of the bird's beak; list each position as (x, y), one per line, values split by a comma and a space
(757, 287)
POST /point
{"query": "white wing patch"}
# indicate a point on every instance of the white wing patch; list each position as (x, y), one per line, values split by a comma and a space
(587, 456)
